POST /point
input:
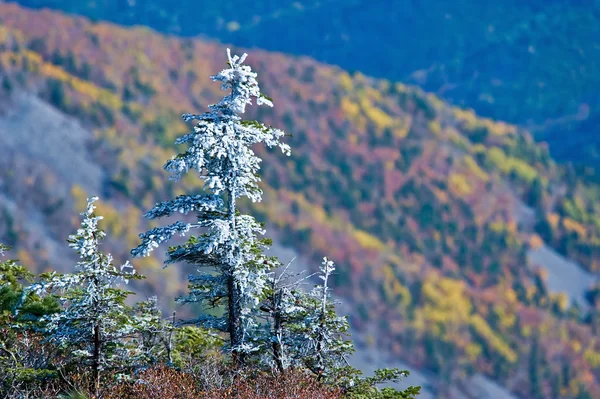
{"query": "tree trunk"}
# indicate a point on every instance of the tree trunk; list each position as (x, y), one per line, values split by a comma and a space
(170, 340)
(322, 317)
(235, 322)
(277, 347)
(96, 360)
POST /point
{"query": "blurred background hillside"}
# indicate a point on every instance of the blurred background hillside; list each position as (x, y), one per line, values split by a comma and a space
(444, 153)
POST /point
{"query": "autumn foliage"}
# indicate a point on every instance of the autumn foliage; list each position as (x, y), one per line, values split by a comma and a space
(421, 202)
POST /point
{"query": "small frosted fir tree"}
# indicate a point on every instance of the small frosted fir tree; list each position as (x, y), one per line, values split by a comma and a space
(306, 332)
(155, 340)
(303, 328)
(283, 311)
(95, 326)
(227, 250)
(296, 321)
(325, 348)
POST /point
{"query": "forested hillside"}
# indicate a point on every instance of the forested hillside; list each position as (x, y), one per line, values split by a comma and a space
(451, 231)
(533, 63)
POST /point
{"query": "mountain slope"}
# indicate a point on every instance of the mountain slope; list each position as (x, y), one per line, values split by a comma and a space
(533, 63)
(430, 211)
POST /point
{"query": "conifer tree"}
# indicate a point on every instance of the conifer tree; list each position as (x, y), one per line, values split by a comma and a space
(227, 250)
(22, 359)
(303, 328)
(155, 339)
(95, 326)
(284, 313)
(11, 276)
(325, 348)
(304, 332)
(233, 271)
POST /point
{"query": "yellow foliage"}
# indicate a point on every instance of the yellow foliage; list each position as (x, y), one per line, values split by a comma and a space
(474, 168)
(435, 101)
(79, 195)
(368, 241)
(458, 139)
(574, 388)
(563, 332)
(471, 122)
(467, 117)
(3, 34)
(473, 351)
(394, 289)
(511, 296)
(141, 59)
(402, 127)
(131, 218)
(147, 263)
(359, 77)
(495, 342)
(346, 81)
(523, 170)
(7, 58)
(498, 128)
(419, 322)
(497, 156)
(592, 357)
(478, 148)
(317, 213)
(435, 128)
(373, 94)
(18, 59)
(376, 115)
(507, 319)
(459, 185)
(117, 225)
(509, 164)
(350, 109)
(562, 301)
(32, 56)
(88, 89)
(545, 326)
(497, 226)
(110, 134)
(446, 300)
(400, 88)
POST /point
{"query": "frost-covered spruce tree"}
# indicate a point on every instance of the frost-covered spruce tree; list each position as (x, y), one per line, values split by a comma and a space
(155, 339)
(285, 308)
(325, 348)
(303, 328)
(227, 249)
(94, 327)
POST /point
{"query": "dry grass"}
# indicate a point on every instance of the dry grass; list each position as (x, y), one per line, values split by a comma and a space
(163, 382)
